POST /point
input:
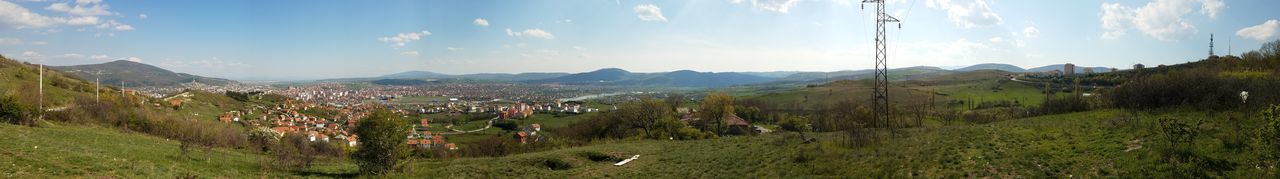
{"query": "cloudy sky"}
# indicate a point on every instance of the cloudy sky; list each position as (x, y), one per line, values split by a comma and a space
(328, 39)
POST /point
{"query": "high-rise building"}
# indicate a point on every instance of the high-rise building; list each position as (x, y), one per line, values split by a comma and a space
(1069, 69)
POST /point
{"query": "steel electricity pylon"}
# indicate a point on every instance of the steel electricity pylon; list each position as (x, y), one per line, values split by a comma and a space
(880, 96)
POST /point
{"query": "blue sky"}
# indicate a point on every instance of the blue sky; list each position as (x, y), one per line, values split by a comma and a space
(330, 39)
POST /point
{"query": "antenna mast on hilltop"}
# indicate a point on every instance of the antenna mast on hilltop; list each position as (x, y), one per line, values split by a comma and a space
(880, 97)
(1211, 45)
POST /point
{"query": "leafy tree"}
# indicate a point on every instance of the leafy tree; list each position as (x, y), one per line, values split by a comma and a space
(675, 100)
(650, 115)
(382, 142)
(509, 125)
(797, 124)
(712, 111)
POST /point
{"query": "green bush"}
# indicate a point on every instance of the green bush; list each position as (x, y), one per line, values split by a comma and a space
(509, 125)
(13, 112)
(556, 164)
(382, 143)
(600, 157)
(1268, 134)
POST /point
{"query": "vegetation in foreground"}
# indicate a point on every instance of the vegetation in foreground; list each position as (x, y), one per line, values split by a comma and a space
(1156, 124)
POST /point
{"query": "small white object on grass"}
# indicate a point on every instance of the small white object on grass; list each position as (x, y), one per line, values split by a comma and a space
(1244, 97)
(624, 162)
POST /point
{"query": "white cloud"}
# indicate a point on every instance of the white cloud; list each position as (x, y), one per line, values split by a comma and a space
(82, 13)
(409, 53)
(86, 20)
(455, 49)
(1031, 32)
(142, 16)
(400, 39)
(649, 12)
(99, 57)
(10, 41)
(71, 55)
(1115, 20)
(113, 25)
(123, 27)
(968, 14)
(1263, 31)
(1160, 19)
(79, 9)
(20, 17)
(197, 65)
(72, 58)
(86, 2)
(481, 22)
(1211, 8)
(996, 39)
(846, 2)
(779, 6)
(535, 33)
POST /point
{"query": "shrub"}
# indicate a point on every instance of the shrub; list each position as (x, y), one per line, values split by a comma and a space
(509, 125)
(1268, 133)
(1200, 87)
(263, 138)
(600, 157)
(382, 143)
(690, 133)
(556, 164)
(13, 112)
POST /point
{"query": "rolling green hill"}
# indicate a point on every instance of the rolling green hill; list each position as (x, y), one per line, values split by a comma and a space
(136, 74)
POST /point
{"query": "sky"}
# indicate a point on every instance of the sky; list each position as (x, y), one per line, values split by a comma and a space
(297, 40)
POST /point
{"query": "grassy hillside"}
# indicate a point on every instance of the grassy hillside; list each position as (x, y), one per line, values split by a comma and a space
(1084, 144)
(65, 151)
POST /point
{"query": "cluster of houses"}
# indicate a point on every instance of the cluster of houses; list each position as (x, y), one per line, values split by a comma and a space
(530, 134)
(507, 110)
(286, 118)
(424, 139)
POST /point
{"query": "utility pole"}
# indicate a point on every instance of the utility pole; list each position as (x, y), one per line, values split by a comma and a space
(880, 96)
(97, 87)
(41, 90)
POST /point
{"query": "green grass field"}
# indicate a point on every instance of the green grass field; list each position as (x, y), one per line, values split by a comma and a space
(1083, 144)
(56, 150)
(1086, 144)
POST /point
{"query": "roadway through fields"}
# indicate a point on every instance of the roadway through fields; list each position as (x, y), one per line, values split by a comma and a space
(456, 131)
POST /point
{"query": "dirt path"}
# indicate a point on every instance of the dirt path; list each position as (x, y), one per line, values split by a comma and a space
(456, 131)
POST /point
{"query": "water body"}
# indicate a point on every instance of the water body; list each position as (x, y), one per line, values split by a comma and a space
(582, 98)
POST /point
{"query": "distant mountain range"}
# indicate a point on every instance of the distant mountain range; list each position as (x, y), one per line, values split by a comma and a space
(992, 66)
(482, 76)
(688, 78)
(682, 78)
(136, 74)
(1011, 68)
